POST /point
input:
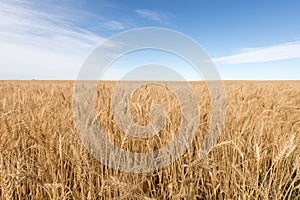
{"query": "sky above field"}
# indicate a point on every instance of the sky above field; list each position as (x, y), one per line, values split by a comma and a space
(247, 40)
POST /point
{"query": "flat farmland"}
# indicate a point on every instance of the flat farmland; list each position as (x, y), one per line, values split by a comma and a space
(256, 157)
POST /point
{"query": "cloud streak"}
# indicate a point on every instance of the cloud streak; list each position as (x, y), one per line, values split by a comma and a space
(152, 15)
(21, 23)
(264, 54)
(41, 42)
(114, 25)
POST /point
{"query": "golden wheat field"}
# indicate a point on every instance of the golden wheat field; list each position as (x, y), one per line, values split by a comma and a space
(257, 155)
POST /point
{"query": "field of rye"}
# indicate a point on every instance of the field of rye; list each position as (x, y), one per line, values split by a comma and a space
(257, 155)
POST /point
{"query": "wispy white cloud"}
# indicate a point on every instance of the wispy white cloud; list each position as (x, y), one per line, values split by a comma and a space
(264, 54)
(41, 41)
(21, 23)
(114, 25)
(152, 15)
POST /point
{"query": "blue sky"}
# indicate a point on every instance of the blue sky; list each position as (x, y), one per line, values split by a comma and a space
(51, 39)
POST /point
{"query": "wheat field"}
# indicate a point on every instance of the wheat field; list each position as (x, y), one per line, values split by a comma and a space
(257, 155)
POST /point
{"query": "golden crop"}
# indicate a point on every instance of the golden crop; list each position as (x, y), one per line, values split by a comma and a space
(257, 156)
